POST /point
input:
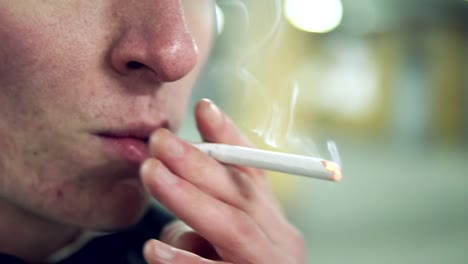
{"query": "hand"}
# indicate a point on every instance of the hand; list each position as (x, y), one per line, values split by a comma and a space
(231, 209)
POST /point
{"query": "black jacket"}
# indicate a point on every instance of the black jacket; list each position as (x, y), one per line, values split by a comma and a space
(118, 248)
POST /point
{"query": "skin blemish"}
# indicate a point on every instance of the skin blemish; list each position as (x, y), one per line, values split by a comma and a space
(59, 193)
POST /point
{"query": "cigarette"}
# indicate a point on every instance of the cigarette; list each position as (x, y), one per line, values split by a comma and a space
(293, 164)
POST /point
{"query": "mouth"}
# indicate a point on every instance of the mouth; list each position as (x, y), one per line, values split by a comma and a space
(128, 144)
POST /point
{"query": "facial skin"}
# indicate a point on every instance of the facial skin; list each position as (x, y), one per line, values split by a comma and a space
(72, 69)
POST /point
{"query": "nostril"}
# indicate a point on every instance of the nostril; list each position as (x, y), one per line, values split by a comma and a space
(135, 65)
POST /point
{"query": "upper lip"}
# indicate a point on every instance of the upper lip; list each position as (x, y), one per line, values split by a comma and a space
(136, 131)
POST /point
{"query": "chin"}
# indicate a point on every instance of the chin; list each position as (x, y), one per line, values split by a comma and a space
(130, 205)
(122, 208)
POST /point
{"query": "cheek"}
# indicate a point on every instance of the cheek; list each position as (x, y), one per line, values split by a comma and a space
(178, 95)
(31, 70)
(25, 42)
(27, 68)
(44, 70)
(28, 83)
(42, 55)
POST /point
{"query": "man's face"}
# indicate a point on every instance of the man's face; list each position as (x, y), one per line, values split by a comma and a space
(82, 84)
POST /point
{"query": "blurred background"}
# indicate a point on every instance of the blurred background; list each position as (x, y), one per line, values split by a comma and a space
(388, 82)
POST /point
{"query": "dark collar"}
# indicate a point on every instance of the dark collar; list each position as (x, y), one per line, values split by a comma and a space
(6, 259)
(123, 247)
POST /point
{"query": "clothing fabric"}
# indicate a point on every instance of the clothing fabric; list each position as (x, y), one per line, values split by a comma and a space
(123, 247)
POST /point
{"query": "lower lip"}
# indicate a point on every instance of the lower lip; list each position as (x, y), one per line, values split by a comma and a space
(129, 149)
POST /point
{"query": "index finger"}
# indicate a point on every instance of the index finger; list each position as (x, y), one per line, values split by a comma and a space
(216, 127)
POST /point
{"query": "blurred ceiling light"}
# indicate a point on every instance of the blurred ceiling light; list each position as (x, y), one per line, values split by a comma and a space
(319, 16)
(219, 19)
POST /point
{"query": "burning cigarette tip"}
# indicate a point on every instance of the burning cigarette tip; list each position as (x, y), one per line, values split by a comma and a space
(333, 168)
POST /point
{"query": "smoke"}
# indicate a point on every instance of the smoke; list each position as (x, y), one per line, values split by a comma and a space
(254, 75)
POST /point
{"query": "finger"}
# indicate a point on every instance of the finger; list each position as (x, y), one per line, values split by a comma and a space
(235, 235)
(215, 126)
(156, 252)
(210, 176)
(233, 188)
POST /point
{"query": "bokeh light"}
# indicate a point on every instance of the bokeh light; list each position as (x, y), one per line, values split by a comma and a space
(219, 19)
(318, 16)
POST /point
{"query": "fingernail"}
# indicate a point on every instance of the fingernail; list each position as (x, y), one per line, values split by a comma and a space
(147, 167)
(155, 169)
(175, 148)
(162, 251)
(214, 114)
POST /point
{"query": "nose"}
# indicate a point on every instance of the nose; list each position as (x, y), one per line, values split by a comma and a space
(154, 40)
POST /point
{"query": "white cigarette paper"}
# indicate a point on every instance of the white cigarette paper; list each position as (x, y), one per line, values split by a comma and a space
(273, 161)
